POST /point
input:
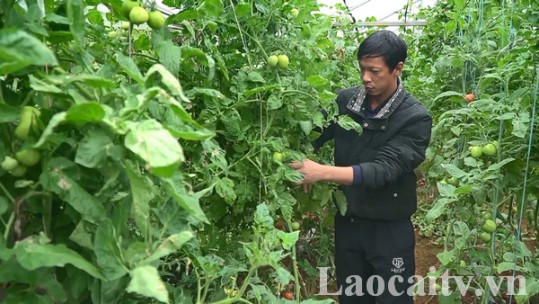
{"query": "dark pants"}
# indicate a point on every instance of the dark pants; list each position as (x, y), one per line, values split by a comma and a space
(374, 258)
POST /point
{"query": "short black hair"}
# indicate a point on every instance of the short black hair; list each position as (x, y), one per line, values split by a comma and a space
(386, 44)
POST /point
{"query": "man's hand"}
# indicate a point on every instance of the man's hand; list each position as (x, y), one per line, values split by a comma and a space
(314, 172)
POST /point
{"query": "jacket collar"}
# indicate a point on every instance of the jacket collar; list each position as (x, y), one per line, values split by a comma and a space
(356, 102)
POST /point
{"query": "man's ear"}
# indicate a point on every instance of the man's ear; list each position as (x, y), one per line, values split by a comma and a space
(399, 68)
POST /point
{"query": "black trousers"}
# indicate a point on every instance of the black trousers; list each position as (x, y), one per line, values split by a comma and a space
(375, 261)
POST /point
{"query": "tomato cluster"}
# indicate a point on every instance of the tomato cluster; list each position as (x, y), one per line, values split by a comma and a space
(137, 15)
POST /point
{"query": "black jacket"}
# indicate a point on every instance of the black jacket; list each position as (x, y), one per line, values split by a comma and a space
(391, 146)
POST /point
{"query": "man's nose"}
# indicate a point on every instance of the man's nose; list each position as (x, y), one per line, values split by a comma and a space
(366, 77)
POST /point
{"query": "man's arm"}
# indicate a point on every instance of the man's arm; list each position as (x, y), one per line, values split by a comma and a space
(401, 154)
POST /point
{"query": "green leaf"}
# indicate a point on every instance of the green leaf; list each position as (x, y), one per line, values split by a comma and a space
(93, 149)
(347, 123)
(8, 113)
(263, 218)
(274, 102)
(55, 178)
(170, 55)
(205, 91)
(19, 49)
(225, 189)
(454, 171)
(213, 8)
(438, 208)
(4, 205)
(57, 119)
(130, 67)
(43, 86)
(189, 52)
(447, 257)
(154, 144)
(317, 81)
(170, 245)
(288, 239)
(532, 289)
(145, 281)
(75, 14)
(84, 113)
(31, 255)
(188, 201)
(142, 193)
(242, 9)
(521, 124)
(283, 276)
(447, 94)
(168, 80)
(82, 236)
(192, 135)
(497, 166)
(108, 252)
(446, 190)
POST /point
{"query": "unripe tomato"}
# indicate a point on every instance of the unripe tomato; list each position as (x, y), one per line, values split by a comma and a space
(278, 157)
(283, 61)
(273, 60)
(19, 171)
(294, 12)
(9, 163)
(28, 157)
(485, 236)
(462, 263)
(28, 120)
(296, 226)
(156, 20)
(453, 181)
(127, 6)
(138, 15)
(489, 226)
(476, 151)
(125, 25)
(489, 149)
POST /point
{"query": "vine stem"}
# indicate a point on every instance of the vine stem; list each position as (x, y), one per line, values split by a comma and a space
(241, 34)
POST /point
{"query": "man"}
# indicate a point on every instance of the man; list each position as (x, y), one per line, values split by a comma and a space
(374, 236)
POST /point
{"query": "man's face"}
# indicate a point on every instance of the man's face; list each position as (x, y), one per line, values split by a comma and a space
(377, 78)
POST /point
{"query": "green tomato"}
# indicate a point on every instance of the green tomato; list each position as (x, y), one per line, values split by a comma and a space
(283, 61)
(9, 163)
(462, 263)
(485, 236)
(138, 15)
(453, 181)
(489, 149)
(127, 6)
(273, 60)
(28, 120)
(294, 12)
(125, 25)
(28, 157)
(156, 20)
(278, 157)
(489, 226)
(476, 151)
(18, 171)
(296, 226)
(112, 34)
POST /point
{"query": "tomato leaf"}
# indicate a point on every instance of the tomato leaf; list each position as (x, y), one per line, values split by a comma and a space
(189, 201)
(32, 254)
(225, 189)
(438, 208)
(107, 251)
(154, 144)
(145, 281)
(93, 149)
(8, 113)
(129, 66)
(75, 13)
(170, 56)
(142, 193)
(170, 245)
(19, 49)
(347, 123)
